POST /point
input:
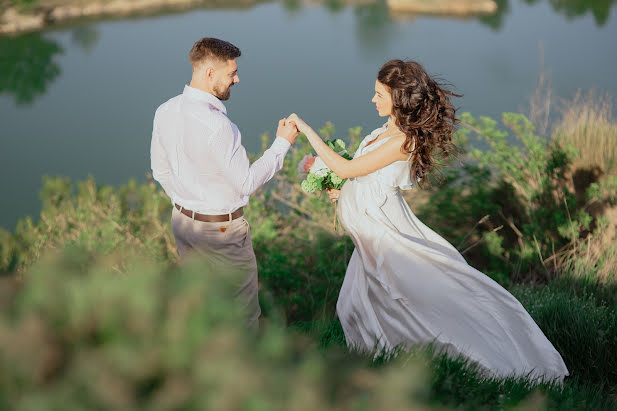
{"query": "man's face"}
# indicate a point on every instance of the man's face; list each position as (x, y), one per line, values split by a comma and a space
(225, 76)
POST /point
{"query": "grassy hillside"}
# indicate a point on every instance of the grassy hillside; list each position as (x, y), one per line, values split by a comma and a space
(97, 314)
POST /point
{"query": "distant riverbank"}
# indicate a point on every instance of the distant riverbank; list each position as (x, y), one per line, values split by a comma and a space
(19, 16)
(47, 13)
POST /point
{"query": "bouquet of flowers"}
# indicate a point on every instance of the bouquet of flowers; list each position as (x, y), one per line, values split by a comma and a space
(317, 176)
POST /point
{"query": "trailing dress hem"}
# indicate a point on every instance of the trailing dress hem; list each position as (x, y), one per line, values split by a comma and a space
(407, 286)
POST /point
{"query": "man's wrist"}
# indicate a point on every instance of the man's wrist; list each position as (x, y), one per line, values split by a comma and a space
(281, 144)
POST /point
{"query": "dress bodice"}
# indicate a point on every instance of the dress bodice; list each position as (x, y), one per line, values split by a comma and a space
(396, 175)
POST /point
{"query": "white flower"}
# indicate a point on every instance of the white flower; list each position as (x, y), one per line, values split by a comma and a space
(320, 168)
(322, 172)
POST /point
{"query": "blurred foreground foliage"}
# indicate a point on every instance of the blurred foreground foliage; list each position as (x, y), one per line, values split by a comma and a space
(97, 314)
(79, 335)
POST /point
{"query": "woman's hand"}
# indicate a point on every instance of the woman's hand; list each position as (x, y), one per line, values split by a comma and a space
(334, 194)
(300, 124)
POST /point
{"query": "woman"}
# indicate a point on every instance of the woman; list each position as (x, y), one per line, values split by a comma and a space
(405, 285)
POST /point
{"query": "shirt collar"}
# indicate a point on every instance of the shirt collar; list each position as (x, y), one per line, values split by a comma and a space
(204, 96)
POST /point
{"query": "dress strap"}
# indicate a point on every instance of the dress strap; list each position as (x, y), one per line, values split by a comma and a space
(412, 150)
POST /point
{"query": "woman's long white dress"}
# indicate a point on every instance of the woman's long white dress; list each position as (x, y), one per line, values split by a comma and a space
(406, 286)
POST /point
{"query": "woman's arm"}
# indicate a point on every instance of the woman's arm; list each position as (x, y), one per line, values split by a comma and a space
(386, 154)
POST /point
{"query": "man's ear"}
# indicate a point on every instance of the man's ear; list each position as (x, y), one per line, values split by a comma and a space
(209, 72)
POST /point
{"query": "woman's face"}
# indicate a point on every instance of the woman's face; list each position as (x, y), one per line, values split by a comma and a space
(382, 99)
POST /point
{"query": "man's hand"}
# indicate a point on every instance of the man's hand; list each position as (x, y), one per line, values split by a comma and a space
(287, 130)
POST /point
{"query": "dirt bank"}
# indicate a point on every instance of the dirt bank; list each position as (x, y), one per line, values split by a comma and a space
(51, 12)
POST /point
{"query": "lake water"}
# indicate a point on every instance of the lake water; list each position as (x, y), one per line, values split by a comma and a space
(79, 100)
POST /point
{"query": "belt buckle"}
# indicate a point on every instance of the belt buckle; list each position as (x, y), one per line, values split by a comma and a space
(223, 229)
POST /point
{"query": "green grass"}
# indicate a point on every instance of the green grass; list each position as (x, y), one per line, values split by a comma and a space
(582, 329)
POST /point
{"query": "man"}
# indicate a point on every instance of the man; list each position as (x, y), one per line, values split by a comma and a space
(198, 158)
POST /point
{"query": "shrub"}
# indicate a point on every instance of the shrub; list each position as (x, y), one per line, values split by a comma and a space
(515, 207)
(79, 335)
(101, 218)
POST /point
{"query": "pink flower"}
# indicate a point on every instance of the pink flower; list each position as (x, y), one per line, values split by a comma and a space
(306, 163)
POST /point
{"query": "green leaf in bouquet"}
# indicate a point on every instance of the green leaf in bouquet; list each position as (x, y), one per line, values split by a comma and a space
(336, 180)
(339, 145)
(332, 181)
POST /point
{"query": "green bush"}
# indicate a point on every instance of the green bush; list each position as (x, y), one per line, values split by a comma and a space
(512, 208)
(79, 335)
(76, 333)
(26, 4)
(97, 218)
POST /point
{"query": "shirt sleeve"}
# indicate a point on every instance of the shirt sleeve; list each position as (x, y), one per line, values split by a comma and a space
(244, 177)
(159, 162)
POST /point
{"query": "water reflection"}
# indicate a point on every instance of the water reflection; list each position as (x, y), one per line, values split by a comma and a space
(334, 6)
(373, 27)
(27, 66)
(600, 9)
(292, 5)
(496, 20)
(373, 15)
(85, 37)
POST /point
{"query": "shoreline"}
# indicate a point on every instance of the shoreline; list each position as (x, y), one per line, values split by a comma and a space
(52, 13)
(14, 22)
(460, 8)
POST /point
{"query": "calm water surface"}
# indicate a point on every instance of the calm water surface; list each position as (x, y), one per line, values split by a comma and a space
(79, 101)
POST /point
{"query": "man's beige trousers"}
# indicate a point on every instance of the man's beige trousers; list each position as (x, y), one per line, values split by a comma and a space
(226, 244)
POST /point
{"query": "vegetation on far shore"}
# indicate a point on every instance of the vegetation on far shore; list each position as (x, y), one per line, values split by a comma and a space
(97, 314)
(19, 16)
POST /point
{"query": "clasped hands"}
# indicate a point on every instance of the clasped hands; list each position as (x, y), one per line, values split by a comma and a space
(289, 127)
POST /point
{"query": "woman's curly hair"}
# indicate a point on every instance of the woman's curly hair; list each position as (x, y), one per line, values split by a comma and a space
(423, 111)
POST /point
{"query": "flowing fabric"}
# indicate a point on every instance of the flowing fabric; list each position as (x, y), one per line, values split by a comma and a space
(407, 286)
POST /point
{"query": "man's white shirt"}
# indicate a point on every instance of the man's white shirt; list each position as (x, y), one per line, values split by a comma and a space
(198, 158)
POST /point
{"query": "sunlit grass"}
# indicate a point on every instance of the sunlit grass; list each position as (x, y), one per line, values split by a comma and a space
(589, 125)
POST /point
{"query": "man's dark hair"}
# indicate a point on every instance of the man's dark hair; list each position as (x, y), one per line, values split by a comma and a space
(210, 48)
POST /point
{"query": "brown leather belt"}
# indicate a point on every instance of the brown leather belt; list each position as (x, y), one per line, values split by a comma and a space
(211, 218)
